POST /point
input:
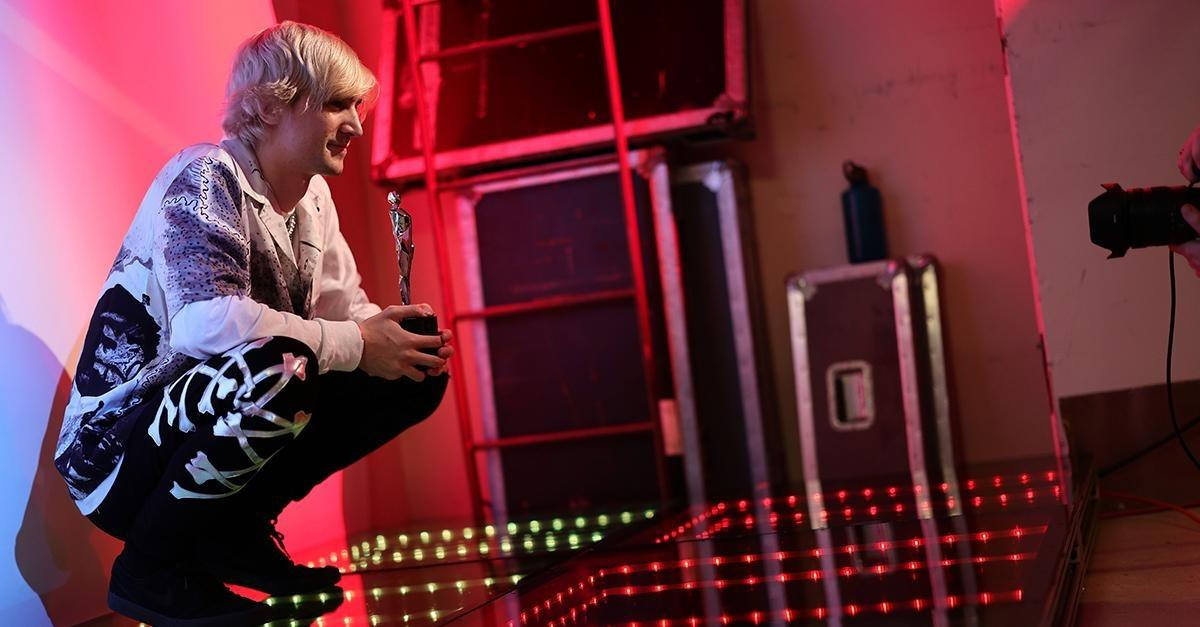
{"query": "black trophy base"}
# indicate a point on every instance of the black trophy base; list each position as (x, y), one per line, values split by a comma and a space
(423, 325)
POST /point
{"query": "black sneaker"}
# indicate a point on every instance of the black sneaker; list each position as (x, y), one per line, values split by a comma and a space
(256, 558)
(177, 597)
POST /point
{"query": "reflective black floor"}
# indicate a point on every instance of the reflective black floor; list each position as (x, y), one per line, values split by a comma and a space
(990, 550)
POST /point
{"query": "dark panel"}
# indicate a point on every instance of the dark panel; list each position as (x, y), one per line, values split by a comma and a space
(580, 475)
(714, 359)
(855, 320)
(670, 55)
(568, 369)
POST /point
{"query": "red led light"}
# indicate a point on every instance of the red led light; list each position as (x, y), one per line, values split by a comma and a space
(899, 508)
(1024, 478)
(996, 481)
(841, 496)
(892, 491)
(873, 510)
(867, 493)
(945, 487)
(970, 484)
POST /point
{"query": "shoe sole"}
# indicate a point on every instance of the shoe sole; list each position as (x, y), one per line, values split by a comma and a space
(252, 616)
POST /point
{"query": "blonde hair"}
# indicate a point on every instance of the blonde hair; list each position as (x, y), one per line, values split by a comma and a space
(285, 63)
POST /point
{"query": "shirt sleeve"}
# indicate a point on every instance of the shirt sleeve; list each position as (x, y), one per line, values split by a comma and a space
(202, 259)
(210, 327)
(340, 295)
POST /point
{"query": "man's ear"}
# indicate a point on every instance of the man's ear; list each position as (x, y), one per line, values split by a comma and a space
(271, 112)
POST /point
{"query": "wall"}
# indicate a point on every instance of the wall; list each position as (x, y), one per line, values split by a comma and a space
(96, 97)
(1106, 91)
(915, 92)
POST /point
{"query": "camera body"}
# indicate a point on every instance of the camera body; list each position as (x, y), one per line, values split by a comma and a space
(1120, 219)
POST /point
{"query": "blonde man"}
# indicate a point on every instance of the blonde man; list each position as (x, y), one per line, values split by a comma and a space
(233, 360)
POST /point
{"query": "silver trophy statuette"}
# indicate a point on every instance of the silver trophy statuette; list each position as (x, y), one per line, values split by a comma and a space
(402, 230)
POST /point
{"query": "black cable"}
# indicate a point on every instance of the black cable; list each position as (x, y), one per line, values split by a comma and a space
(1146, 450)
(1170, 346)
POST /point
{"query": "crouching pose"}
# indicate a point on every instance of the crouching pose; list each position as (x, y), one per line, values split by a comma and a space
(233, 361)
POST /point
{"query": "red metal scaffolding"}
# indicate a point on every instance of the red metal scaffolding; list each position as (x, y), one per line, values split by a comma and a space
(471, 446)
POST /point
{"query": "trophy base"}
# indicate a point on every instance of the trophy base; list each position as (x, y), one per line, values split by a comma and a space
(425, 325)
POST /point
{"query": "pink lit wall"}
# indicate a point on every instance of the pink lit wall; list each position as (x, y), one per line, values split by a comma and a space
(96, 97)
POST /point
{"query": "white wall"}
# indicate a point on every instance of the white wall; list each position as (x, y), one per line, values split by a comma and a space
(1103, 91)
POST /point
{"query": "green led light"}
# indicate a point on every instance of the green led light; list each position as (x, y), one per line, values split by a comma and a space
(354, 552)
(516, 578)
(460, 585)
(446, 535)
(296, 600)
(433, 614)
(505, 546)
(550, 542)
(468, 533)
(626, 517)
(376, 593)
(293, 623)
(440, 551)
(488, 581)
(535, 526)
(649, 513)
(418, 554)
(324, 596)
(403, 538)
(366, 546)
(573, 539)
(483, 548)
(581, 522)
(513, 528)
(489, 531)
(432, 587)
(425, 537)
(603, 520)
(528, 544)
(596, 536)
(397, 556)
(271, 602)
(557, 523)
(375, 619)
(381, 542)
(349, 595)
(406, 618)
(375, 559)
(462, 550)
(403, 590)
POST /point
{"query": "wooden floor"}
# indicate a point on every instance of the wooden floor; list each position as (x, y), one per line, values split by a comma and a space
(1144, 571)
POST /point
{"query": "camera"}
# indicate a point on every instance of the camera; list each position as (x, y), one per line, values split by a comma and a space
(1121, 219)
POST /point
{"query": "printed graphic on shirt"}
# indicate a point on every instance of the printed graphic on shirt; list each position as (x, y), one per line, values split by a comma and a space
(121, 340)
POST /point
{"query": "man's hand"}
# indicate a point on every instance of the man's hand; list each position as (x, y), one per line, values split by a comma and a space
(445, 352)
(1190, 250)
(1189, 158)
(391, 352)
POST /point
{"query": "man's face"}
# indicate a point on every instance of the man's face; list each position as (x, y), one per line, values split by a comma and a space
(316, 140)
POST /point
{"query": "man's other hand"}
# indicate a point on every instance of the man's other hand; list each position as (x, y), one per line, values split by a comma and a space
(391, 352)
(1189, 158)
(1190, 250)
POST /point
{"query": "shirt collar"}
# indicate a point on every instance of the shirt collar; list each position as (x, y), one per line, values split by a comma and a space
(250, 173)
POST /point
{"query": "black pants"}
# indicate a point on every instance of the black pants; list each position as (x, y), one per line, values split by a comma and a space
(239, 436)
